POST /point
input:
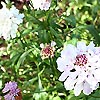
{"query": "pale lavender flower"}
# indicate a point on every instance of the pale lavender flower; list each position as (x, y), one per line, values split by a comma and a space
(80, 67)
(11, 89)
(41, 4)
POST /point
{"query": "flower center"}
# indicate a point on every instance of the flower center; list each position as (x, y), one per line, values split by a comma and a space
(81, 60)
(47, 50)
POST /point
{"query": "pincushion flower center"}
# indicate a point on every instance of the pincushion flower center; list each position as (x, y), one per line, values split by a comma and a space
(81, 60)
(47, 50)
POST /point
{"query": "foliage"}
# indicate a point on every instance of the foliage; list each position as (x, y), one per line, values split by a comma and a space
(67, 21)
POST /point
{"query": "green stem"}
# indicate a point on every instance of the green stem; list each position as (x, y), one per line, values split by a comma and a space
(53, 67)
(39, 80)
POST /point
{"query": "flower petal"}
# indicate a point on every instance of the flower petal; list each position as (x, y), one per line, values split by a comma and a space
(81, 47)
(97, 73)
(86, 88)
(64, 75)
(91, 80)
(53, 43)
(61, 64)
(69, 52)
(69, 83)
(78, 88)
(91, 46)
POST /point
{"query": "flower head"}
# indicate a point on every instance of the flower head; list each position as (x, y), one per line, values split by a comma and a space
(42, 4)
(80, 67)
(9, 21)
(12, 91)
(47, 50)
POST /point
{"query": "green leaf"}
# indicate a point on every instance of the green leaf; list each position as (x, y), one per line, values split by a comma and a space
(57, 98)
(70, 20)
(54, 32)
(14, 57)
(94, 32)
(22, 58)
(27, 31)
(40, 96)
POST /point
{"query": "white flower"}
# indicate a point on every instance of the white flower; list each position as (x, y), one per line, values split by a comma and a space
(41, 4)
(47, 50)
(9, 21)
(80, 67)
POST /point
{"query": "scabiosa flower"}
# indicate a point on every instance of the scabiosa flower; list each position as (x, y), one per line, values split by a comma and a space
(12, 91)
(9, 21)
(80, 67)
(47, 50)
(41, 4)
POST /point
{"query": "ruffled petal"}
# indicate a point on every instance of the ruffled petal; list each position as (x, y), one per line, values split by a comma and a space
(64, 75)
(86, 89)
(81, 47)
(69, 83)
(78, 88)
(69, 52)
(61, 62)
(91, 80)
